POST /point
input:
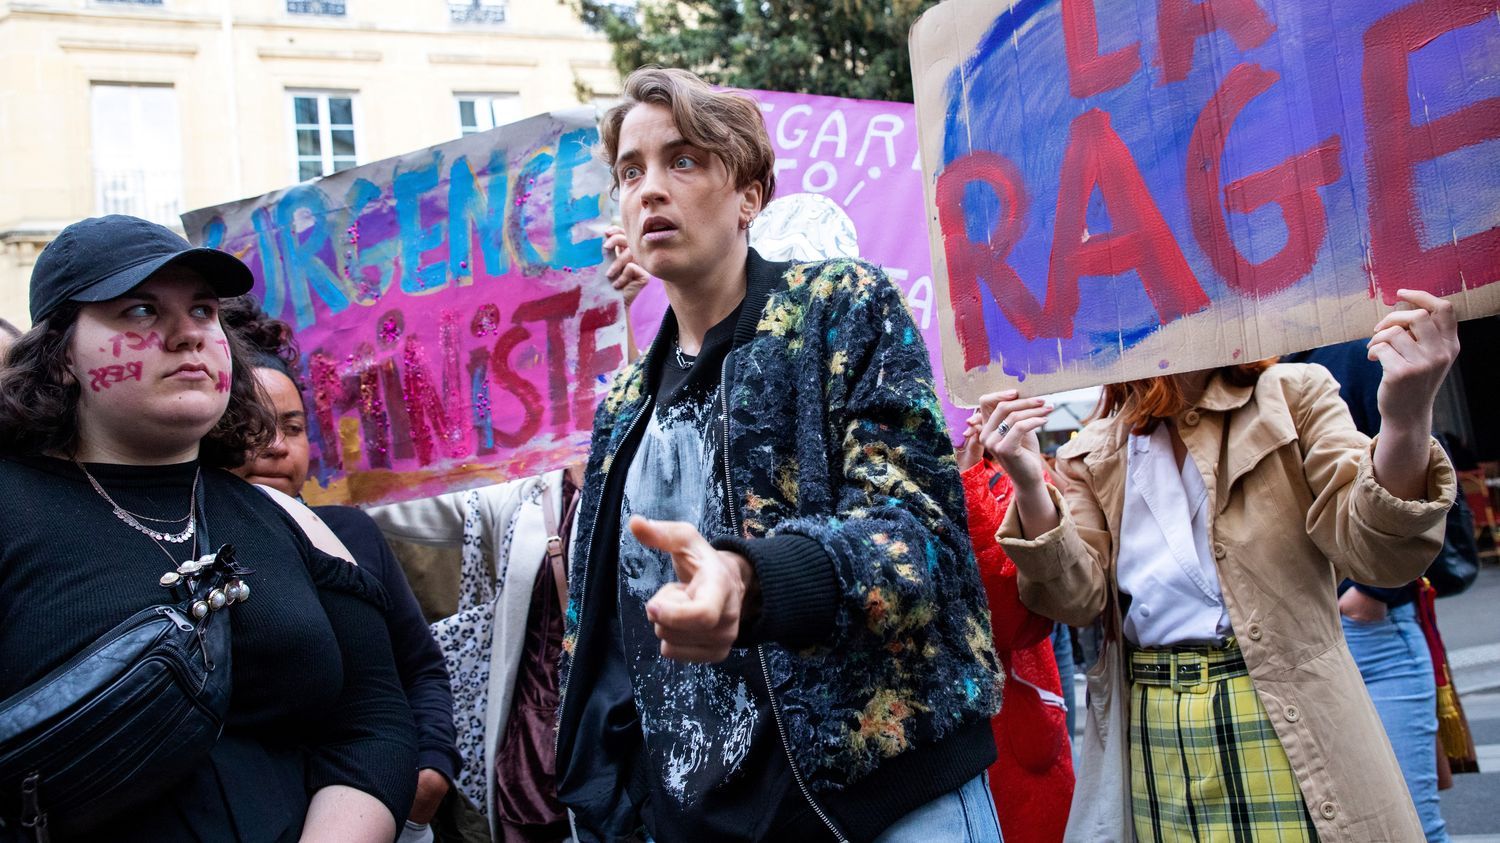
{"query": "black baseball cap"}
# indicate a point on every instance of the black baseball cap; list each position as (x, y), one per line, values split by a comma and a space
(101, 258)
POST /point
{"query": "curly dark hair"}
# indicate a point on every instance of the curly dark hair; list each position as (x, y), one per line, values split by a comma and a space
(39, 406)
(271, 342)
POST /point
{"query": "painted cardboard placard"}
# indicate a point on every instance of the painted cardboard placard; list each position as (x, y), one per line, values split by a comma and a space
(1123, 189)
(861, 155)
(455, 325)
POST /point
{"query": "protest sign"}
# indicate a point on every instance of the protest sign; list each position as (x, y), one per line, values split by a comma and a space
(1123, 189)
(455, 326)
(862, 155)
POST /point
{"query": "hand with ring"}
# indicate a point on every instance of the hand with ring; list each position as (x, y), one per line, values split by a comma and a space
(1009, 433)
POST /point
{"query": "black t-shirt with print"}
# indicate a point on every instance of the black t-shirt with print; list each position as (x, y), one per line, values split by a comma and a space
(712, 766)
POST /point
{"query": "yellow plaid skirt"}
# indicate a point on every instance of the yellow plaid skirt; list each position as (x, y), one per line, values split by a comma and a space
(1205, 763)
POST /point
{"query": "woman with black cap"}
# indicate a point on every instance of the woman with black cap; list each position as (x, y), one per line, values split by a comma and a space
(119, 411)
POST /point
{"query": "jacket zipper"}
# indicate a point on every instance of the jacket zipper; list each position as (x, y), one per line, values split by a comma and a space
(562, 693)
(760, 649)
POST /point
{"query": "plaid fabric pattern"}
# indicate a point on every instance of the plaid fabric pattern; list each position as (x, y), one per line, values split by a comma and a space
(1206, 766)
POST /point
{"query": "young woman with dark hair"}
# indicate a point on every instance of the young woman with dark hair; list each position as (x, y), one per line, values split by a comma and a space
(118, 411)
(282, 464)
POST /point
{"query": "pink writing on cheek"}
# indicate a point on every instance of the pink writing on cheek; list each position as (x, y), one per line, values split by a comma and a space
(106, 376)
(135, 342)
(140, 343)
(224, 344)
(223, 385)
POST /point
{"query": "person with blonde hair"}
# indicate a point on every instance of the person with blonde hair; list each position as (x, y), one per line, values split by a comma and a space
(1208, 518)
(775, 627)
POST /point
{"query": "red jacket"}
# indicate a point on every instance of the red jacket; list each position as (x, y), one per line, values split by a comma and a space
(1032, 781)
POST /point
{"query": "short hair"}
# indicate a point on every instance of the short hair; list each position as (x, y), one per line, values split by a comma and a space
(39, 407)
(726, 124)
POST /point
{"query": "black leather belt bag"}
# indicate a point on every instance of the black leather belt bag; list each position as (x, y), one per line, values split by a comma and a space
(125, 719)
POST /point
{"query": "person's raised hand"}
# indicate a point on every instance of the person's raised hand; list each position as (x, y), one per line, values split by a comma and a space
(971, 451)
(623, 273)
(698, 617)
(1416, 344)
(1009, 433)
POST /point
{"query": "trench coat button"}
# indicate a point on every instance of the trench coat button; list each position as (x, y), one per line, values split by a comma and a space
(1254, 632)
(1219, 551)
(1191, 418)
(1292, 713)
(1328, 810)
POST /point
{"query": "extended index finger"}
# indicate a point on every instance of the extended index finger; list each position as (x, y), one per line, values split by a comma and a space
(1440, 308)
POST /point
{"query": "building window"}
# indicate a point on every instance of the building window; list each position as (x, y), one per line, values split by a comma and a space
(334, 8)
(137, 151)
(482, 112)
(323, 132)
(477, 11)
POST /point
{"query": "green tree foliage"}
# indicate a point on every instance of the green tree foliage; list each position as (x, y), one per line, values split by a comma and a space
(843, 48)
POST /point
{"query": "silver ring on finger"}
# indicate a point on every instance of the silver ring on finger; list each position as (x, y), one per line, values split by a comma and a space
(1003, 428)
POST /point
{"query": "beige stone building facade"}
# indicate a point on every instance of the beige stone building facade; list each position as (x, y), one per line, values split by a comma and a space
(154, 107)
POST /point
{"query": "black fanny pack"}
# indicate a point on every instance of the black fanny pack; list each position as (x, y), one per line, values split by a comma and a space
(126, 718)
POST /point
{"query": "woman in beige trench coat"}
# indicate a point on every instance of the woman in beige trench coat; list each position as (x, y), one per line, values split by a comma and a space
(1245, 717)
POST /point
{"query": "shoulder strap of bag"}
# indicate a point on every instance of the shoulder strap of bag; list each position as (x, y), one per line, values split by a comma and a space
(556, 560)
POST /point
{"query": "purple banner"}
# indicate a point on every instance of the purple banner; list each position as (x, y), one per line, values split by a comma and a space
(861, 155)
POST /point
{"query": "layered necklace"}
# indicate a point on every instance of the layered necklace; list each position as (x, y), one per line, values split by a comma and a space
(134, 519)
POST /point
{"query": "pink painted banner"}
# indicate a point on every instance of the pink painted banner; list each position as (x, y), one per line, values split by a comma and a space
(863, 156)
(455, 325)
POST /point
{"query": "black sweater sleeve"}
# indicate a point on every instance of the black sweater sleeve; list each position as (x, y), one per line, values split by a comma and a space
(369, 742)
(419, 661)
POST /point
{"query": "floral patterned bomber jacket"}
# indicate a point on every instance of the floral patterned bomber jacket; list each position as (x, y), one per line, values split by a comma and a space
(874, 635)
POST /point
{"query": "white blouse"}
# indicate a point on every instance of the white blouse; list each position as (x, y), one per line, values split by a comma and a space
(1165, 563)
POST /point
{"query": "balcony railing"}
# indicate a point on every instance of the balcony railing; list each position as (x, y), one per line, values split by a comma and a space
(331, 8)
(155, 195)
(477, 11)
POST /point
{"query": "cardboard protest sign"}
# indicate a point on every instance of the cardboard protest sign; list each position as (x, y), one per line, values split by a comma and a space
(861, 155)
(1122, 189)
(455, 325)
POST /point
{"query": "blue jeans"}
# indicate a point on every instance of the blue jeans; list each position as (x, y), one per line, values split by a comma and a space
(1062, 651)
(966, 815)
(1393, 658)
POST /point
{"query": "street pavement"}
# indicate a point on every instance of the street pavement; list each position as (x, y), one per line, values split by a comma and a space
(1470, 623)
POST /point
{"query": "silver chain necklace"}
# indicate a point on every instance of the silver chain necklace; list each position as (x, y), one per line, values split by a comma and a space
(684, 361)
(130, 518)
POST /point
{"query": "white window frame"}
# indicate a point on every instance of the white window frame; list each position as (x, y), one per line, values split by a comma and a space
(325, 127)
(487, 99)
(158, 205)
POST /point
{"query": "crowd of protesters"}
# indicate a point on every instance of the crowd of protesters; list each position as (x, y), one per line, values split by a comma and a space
(794, 612)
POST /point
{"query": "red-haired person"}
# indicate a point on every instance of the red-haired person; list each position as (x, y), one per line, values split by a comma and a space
(1032, 779)
(1208, 518)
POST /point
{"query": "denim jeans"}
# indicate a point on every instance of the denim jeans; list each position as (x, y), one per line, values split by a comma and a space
(1062, 651)
(966, 815)
(1393, 658)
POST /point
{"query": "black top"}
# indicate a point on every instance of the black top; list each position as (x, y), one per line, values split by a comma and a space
(316, 700)
(700, 740)
(419, 660)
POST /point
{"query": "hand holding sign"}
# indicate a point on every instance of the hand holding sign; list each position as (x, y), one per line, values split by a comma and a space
(698, 617)
(1416, 344)
(1009, 432)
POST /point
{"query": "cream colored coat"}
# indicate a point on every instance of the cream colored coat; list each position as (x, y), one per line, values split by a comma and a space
(1294, 508)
